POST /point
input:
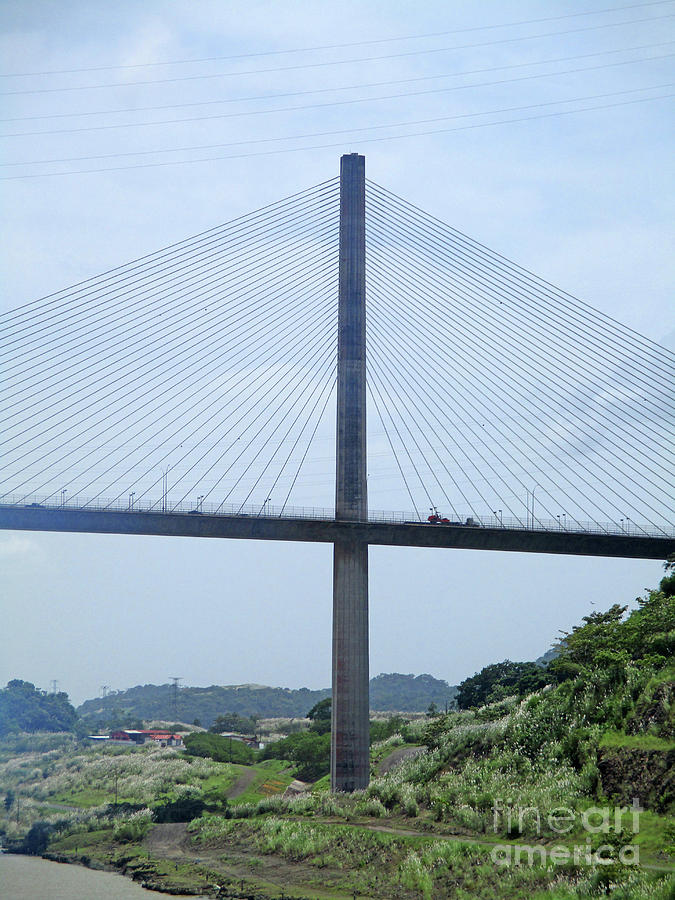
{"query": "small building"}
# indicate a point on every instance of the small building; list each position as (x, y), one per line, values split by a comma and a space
(141, 736)
(251, 742)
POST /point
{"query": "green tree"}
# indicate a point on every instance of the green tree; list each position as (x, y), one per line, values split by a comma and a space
(234, 722)
(215, 746)
(308, 750)
(501, 680)
(25, 708)
(320, 715)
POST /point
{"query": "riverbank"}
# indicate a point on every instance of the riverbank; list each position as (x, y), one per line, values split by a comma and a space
(33, 878)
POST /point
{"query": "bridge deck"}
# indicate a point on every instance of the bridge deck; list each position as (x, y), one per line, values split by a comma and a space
(399, 534)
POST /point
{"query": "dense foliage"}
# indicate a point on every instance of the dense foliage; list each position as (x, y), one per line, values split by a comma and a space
(501, 680)
(320, 716)
(308, 750)
(219, 748)
(235, 723)
(25, 708)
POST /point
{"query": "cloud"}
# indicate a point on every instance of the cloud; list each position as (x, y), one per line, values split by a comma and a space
(15, 545)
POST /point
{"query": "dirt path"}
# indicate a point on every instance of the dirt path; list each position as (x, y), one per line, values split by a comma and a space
(168, 840)
(397, 757)
(290, 879)
(245, 780)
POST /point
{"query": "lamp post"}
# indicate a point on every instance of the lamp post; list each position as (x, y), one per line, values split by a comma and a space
(64, 491)
(165, 487)
(533, 490)
(131, 499)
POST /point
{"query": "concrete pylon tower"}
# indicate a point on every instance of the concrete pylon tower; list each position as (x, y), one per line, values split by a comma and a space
(350, 760)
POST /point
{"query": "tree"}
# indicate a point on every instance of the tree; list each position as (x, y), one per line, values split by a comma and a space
(9, 799)
(320, 715)
(667, 585)
(215, 746)
(501, 680)
(234, 722)
(309, 750)
(25, 708)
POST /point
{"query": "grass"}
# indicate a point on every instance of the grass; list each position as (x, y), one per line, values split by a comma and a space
(272, 777)
(86, 797)
(387, 865)
(223, 780)
(89, 839)
(321, 786)
(612, 739)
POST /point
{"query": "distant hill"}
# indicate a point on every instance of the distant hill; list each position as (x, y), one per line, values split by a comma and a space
(394, 692)
(547, 657)
(409, 693)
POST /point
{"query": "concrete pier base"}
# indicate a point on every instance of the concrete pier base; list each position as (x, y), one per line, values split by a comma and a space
(350, 770)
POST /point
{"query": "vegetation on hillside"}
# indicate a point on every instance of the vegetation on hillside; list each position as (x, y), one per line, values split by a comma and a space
(222, 749)
(391, 692)
(25, 708)
(501, 680)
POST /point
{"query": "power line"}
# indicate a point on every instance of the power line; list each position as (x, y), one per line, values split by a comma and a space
(363, 140)
(349, 101)
(327, 63)
(314, 49)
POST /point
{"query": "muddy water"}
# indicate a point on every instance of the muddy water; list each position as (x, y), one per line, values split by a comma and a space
(31, 878)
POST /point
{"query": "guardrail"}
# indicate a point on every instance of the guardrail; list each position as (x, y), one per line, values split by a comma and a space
(165, 506)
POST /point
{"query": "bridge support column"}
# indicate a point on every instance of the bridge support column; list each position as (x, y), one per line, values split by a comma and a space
(350, 762)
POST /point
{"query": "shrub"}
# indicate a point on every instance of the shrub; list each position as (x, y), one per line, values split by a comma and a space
(134, 828)
(219, 748)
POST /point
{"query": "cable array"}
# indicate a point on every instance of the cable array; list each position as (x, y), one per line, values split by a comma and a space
(206, 372)
(499, 389)
(200, 372)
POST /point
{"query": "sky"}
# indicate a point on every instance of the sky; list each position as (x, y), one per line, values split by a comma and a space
(584, 199)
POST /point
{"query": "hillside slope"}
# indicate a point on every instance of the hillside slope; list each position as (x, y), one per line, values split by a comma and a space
(388, 692)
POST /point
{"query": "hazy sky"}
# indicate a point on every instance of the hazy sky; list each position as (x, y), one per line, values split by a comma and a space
(585, 200)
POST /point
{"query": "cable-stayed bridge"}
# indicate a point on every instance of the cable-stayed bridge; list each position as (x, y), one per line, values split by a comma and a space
(228, 385)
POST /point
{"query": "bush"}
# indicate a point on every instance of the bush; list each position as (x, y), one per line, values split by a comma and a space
(133, 828)
(309, 750)
(219, 748)
(37, 839)
(185, 809)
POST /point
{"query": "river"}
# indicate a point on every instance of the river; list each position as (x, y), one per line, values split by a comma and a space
(32, 878)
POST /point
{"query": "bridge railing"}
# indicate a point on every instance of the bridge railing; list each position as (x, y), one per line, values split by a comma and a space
(166, 506)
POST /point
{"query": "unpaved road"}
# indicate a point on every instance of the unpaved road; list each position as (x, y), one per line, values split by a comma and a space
(397, 757)
(245, 779)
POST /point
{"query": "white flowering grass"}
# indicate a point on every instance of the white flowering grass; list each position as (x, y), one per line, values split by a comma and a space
(89, 777)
